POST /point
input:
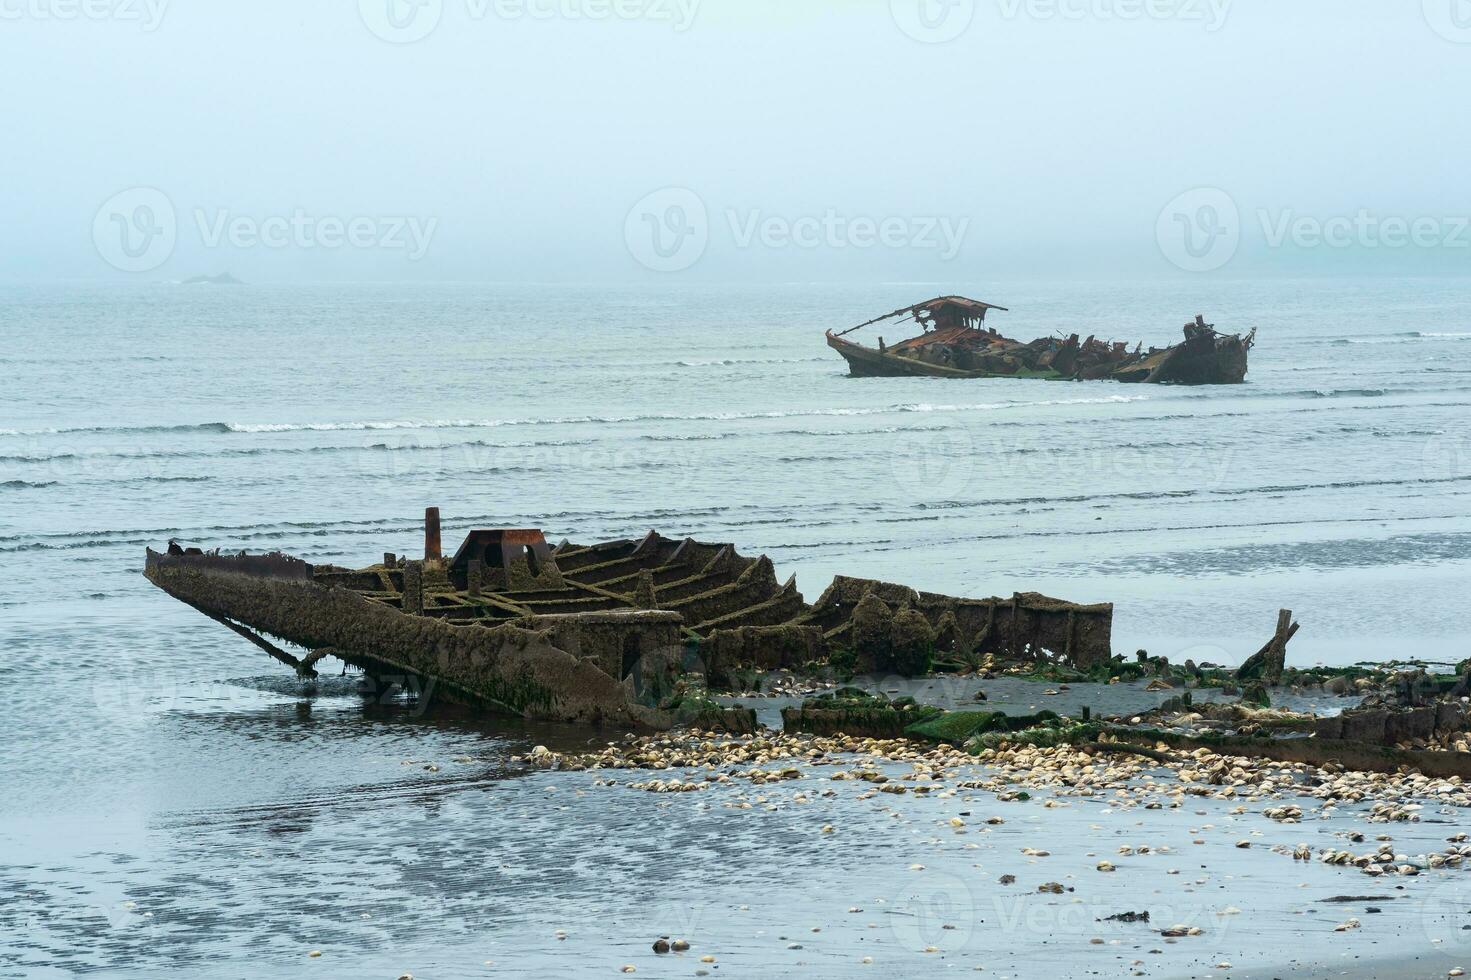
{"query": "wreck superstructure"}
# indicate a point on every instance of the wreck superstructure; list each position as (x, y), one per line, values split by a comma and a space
(598, 633)
(956, 343)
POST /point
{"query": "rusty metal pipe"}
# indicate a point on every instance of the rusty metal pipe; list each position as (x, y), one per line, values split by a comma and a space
(432, 551)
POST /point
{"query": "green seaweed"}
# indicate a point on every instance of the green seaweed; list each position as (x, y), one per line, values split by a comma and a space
(958, 727)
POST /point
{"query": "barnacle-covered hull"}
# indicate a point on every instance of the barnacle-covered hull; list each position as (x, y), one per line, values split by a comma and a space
(598, 633)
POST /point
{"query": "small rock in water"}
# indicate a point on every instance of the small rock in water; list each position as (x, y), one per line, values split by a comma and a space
(661, 945)
(680, 945)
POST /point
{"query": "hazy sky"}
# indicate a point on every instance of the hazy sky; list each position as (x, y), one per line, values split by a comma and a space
(693, 140)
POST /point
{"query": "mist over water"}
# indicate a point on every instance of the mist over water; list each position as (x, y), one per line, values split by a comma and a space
(419, 198)
(149, 751)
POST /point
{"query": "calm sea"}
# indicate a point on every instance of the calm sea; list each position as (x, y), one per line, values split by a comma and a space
(151, 757)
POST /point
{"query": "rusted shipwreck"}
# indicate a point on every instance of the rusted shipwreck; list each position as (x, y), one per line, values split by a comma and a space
(955, 343)
(597, 633)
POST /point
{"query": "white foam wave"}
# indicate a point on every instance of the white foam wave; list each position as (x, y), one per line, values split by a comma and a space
(917, 407)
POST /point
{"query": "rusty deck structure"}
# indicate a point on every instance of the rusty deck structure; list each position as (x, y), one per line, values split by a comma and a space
(597, 633)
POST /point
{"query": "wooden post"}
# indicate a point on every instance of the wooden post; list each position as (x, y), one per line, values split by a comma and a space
(474, 578)
(389, 559)
(1269, 662)
(431, 534)
(1016, 624)
(413, 601)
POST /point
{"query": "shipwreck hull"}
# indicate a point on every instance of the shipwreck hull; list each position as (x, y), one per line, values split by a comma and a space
(866, 362)
(596, 634)
(506, 669)
(957, 344)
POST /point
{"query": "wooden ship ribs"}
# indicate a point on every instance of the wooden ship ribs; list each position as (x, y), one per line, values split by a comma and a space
(595, 633)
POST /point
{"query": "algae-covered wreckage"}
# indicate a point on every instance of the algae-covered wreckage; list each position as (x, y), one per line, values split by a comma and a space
(956, 343)
(600, 633)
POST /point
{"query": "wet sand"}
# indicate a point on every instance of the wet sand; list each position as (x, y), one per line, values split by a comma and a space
(449, 859)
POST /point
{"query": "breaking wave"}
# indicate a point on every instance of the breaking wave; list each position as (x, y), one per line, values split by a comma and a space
(731, 361)
(390, 424)
(1407, 337)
